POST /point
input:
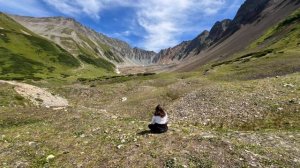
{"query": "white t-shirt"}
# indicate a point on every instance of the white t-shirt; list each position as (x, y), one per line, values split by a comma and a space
(159, 120)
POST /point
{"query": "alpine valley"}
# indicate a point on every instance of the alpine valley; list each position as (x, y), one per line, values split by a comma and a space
(73, 97)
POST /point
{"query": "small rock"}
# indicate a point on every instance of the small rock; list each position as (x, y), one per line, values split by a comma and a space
(114, 117)
(280, 108)
(288, 85)
(124, 99)
(32, 144)
(50, 157)
(95, 129)
(119, 146)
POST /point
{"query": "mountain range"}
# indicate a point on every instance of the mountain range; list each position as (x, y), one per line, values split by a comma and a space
(89, 52)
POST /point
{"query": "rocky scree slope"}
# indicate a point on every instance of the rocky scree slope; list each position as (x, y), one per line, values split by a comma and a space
(79, 39)
(228, 36)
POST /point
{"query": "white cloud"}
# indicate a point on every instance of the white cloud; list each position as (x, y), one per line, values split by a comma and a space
(165, 20)
(77, 7)
(28, 7)
(162, 20)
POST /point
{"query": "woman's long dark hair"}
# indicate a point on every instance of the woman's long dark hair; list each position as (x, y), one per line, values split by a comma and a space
(159, 111)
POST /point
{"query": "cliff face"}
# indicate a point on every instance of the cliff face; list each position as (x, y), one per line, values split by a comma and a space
(78, 39)
(195, 46)
(218, 29)
(249, 12)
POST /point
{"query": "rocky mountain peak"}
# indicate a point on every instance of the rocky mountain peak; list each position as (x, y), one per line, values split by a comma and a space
(247, 13)
(218, 29)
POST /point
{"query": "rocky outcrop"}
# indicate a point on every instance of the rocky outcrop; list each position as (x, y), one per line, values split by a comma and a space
(248, 13)
(78, 39)
(142, 56)
(166, 56)
(218, 29)
(195, 46)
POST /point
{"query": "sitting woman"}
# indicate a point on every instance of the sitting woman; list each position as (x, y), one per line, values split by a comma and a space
(159, 121)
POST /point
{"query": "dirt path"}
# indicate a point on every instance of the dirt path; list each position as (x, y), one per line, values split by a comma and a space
(39, 96)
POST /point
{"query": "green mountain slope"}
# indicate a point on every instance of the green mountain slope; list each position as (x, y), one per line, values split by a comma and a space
(275, 53)
(25, 55)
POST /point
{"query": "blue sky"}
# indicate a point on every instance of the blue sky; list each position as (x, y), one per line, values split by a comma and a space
(147, 24)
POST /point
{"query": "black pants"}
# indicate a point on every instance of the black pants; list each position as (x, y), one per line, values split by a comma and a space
(158, 128)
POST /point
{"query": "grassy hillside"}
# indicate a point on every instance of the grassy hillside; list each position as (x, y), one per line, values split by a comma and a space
(212, 124)
(273, 54)
(25, 55)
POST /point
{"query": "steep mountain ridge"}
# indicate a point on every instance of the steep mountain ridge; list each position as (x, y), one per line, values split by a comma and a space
(195, 46)
(229, 36)
(26, 55)
(79, 39)
(249, 31)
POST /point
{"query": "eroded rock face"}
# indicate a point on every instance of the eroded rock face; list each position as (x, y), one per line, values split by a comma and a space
(195, 46)
(248, 13)
(218, 29)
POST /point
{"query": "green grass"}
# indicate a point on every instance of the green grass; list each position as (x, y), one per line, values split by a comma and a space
(272, 64)
(292, 19)
(30, 56)
(98, 121)
(283, 35)
(276, 53)
(9, 98)
(97, 62)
